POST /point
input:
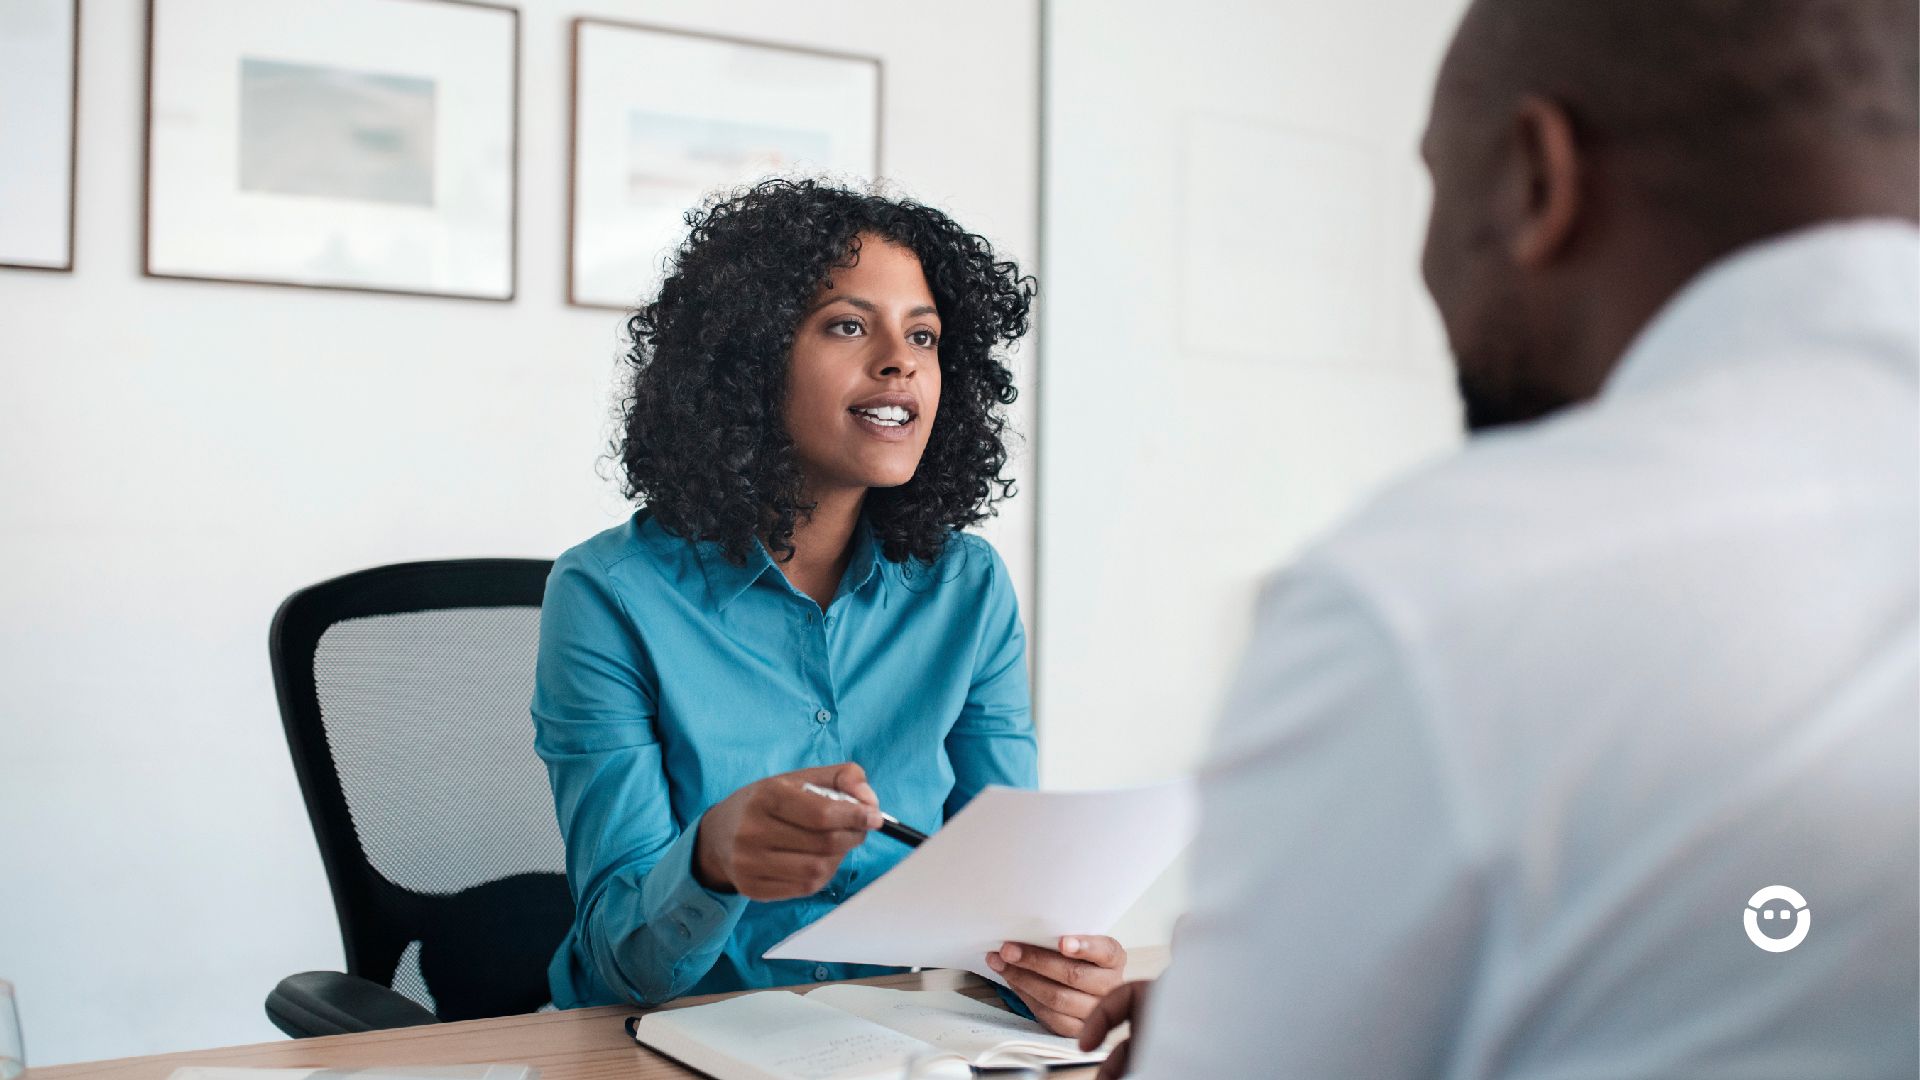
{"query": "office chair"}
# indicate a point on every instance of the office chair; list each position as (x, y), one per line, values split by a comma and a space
(404, 693)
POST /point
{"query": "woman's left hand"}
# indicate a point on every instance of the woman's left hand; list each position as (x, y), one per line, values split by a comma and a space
(1062, 985)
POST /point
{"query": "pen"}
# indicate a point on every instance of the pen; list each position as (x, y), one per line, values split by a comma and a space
(889, 825)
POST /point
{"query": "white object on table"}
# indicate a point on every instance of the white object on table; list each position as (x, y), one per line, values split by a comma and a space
(1013, 866)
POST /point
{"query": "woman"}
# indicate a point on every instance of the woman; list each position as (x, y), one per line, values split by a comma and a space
(814, 410)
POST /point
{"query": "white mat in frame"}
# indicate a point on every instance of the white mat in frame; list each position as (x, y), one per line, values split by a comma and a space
(352, 144)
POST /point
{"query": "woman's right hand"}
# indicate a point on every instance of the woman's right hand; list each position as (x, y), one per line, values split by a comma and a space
(771, 840)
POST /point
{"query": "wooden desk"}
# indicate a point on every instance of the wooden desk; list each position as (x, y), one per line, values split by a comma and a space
(579, 1044)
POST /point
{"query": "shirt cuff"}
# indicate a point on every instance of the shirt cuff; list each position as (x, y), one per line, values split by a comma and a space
(692, 918)
(1014, 1002)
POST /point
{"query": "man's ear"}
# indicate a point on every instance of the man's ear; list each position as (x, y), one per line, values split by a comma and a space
(1552, 169)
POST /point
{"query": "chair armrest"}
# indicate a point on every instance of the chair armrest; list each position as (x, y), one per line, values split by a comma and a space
(332, 1003)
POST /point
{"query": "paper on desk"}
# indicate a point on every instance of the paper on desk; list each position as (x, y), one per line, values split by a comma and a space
(1013, 866)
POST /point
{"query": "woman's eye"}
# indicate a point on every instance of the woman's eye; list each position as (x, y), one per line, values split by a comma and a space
(845, 328)
(923, 338)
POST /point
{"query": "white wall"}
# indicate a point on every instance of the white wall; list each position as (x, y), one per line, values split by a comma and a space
(176, 458)
(1237, 346)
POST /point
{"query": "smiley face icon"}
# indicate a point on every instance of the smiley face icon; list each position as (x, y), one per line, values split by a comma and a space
(1801, 916)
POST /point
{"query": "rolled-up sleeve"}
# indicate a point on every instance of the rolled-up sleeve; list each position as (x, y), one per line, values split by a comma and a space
(992, 741)
(644, 929)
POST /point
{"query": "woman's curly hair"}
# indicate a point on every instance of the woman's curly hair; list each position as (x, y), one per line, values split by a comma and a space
(703, 441)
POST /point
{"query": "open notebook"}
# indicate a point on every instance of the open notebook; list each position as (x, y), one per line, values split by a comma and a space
(363, 1073)
(847, 1033)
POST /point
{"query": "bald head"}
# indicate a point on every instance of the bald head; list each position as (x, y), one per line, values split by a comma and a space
(1717, 108)
(1589, 157)
(1674, 67)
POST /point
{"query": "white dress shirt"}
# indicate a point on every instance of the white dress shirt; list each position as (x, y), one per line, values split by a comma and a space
(1512, 750)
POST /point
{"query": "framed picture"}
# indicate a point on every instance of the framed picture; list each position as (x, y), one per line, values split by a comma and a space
(334, 144)
(39, 93)
(662, 118)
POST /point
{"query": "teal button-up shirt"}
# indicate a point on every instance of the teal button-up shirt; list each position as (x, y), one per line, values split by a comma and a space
(669, 678)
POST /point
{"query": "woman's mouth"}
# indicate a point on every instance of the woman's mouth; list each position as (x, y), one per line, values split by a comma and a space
(884, 416)
(892, 416)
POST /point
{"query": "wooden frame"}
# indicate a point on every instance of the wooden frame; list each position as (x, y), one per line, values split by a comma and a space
(513, 183)
(574, 285)
(73, 160)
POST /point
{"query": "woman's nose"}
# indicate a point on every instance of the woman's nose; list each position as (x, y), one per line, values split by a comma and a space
(897, 360)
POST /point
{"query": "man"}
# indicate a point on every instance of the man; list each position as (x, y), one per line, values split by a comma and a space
(1515, 751)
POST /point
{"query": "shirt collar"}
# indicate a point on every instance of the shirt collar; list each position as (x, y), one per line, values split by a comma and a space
(864, 565)
(1840, 283)
(725, 581)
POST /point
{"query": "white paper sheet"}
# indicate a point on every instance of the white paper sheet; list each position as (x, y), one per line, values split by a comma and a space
(1013, 866)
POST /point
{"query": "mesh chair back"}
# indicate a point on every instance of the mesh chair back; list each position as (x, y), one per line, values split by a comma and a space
(404, 693)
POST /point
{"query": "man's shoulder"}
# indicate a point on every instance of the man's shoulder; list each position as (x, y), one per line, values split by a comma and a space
(1698, 488)
(1471, 519)
(1518, 513)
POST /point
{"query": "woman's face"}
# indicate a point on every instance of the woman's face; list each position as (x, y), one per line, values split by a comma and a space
(864, 381)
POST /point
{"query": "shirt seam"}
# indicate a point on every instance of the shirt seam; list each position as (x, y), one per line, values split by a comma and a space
(1405, 651)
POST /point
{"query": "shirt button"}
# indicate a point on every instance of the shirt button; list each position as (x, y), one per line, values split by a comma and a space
(823, 716)
(829, 622)
(821, 973)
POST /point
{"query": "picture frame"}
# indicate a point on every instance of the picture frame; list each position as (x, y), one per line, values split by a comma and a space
(317, 144)
(662, 118)
(39, 127)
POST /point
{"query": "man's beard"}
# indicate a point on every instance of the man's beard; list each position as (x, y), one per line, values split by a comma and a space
(1490, 403)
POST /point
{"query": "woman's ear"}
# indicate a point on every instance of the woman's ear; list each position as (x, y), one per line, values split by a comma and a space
(1552, 179)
